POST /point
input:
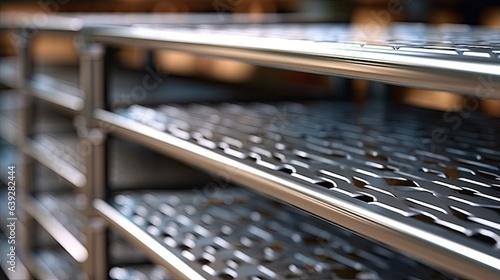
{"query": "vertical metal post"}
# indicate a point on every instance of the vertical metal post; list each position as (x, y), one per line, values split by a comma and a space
(91, 83)
(25, 117)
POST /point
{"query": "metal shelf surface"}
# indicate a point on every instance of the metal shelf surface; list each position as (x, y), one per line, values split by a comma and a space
(56, 229)
(9, 104)
(67, 208)
(375, 172)
(58, 152)
(53, 264)
(238, 234)
(457, 59)
(140, 238)
(75, 22)
(57, 91)
(139, 272)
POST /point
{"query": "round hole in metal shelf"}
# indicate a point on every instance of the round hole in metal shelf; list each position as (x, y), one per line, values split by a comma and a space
(257, 277)
(481, 237)
(346, 273)
(206, 258)
(314, 240)
(365, 198)
(286, 170)
(327, 184)
(466, 191)
(423, 218)
(400, 182)
(228, 274)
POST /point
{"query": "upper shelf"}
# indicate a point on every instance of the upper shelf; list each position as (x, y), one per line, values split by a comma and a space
(75, 22)
(58, 86)
(459, 59)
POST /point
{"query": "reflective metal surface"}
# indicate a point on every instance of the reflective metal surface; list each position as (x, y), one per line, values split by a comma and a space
(379, 173)
(238, 234)
(459, 60)
(61, 158)
(148, 244)
(54, 264)
(56, 229)
(140, 272)
(66, 207)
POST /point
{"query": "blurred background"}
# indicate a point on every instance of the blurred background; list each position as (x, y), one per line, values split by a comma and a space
(60, 51)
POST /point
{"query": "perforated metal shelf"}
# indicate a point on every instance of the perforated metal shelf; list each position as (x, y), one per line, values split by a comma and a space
(56, 224)
(140, 272)
(67, 208)
(58, 86)
(424, 182)
(238, 234)
(54, 264)
(61, 153)
(459, 59)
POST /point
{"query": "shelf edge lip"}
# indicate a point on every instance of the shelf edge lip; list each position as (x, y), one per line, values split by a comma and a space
(69, 173)
(410, 239)
(50, 223)
(152, 247)
(56, 97)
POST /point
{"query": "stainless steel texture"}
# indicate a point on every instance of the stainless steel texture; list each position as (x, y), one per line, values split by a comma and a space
(349, 51)
(56, 229)
(75, 22)
(53, 92)
(238, 234)
(67, 208)
(54, 264)
(9, 106)
(138, 237)
(50, 157)
(139, 272)
(367, 177)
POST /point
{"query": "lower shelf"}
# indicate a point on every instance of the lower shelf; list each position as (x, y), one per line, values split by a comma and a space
(139, 272)
(51, 264)
(56, 229)
(18, 271)
(59, 154)
(237, 234)
(66, 207)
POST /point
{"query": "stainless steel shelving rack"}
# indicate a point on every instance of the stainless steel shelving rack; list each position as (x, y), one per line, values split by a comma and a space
(70, 93)
(417, 56)
(469, 67)
(60, 90)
